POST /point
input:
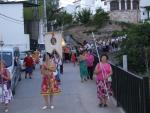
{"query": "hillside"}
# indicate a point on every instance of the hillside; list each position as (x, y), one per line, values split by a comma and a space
(82, 33)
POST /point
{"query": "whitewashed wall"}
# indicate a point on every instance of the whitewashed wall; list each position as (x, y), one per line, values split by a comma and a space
(144, 3)
(71, 9)
(99, 3)
(13, 31)
(143, 12)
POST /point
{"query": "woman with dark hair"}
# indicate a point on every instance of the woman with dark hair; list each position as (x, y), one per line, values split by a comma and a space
(103, 73)
(83, 66)
(49, 85)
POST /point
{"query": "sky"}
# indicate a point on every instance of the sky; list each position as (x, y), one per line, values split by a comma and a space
(64, 3)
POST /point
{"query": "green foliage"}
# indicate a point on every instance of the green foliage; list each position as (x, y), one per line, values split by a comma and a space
(118, 33)
(136, 46)
(29, 13)
(63, 18)
(53, 13)
(100, 18)
(51, 10)
(84, 16)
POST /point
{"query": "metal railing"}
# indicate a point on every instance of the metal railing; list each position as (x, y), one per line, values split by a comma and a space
(131, 92)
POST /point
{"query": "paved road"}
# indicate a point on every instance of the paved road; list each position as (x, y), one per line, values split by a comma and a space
(76, 97)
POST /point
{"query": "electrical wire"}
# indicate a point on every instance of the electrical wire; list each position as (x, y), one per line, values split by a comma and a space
(10, 17)
(10, 20)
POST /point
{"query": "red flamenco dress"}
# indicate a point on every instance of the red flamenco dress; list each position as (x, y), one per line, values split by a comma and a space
(49, 84)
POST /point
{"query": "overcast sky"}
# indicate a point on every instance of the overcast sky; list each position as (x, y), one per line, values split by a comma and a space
(65, 2)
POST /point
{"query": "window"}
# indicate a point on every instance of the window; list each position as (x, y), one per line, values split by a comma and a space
(135, 4)
(7, 57)
(114, 5)
(122, 5)
(128, 4)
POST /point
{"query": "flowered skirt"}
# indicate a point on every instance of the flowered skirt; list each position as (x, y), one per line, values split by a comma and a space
(104, 90)
(49, 85)
(6, 94)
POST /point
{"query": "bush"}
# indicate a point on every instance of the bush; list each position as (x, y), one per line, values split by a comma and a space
(137, 47)
(118, 33)
(64, 18)
(84, 16)
(100, 18)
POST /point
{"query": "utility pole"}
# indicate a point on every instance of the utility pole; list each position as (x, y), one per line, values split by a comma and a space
(36, 21)
(45, 18)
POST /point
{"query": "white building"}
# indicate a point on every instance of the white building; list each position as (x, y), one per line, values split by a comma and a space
(71, 9)
(145, 10)
(102, 4)
(130, 11)
(12, 25)
(124, 10)
(92, 5)
(85, 4)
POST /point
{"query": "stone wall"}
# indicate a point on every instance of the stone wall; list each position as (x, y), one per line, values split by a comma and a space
(129, 16)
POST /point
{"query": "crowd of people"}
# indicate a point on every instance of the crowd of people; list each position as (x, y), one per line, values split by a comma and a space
(102, 71)
(51, 69)
(106, 45)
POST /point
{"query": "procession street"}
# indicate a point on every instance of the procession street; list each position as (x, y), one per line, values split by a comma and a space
(76, 97)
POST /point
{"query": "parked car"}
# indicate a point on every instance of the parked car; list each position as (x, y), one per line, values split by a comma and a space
(22, 56)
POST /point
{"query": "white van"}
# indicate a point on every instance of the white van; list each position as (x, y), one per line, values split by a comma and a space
(9, 55)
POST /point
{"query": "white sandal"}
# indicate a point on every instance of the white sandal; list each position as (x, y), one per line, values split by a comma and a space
(6, 110)
(52, 107)
(45, 107)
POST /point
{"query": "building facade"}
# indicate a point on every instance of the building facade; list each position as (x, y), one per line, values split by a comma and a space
(102, 4)
(145, 10)
(12, 26)
(124, 10)
(129, 11)
(84, 4)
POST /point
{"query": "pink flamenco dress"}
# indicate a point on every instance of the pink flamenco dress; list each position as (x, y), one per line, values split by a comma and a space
(104, 88)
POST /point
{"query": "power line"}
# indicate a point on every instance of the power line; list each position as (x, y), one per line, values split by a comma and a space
(10, 18)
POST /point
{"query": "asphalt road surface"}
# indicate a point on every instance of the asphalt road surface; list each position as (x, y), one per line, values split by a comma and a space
(76, 97)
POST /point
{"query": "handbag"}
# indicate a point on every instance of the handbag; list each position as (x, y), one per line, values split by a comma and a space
(109, 79)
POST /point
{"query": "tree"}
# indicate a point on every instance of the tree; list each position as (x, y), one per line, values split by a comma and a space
(100, 18)
(64, 18)
(137, 47)
(29, 11)
(51, 9)
(84, 16)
